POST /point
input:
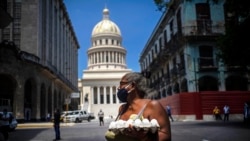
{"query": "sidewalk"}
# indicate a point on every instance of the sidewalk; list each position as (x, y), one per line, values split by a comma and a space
(40, 125)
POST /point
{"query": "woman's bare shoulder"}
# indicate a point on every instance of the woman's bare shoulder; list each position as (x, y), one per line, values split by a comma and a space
(155, 110)
(154, 103)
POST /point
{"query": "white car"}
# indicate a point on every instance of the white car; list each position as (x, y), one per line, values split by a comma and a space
(77, 116)
(14, 123)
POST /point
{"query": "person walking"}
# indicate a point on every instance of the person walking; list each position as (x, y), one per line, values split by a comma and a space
(246, 113)
(226, 112)
(48, 117)
(57, 124)
(101, 116)
(169, 113)
(5, 124)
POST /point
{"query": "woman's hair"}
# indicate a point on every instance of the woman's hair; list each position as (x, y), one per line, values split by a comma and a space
(141, 84)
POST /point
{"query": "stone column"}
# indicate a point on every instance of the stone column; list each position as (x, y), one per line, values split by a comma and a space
(18, 107)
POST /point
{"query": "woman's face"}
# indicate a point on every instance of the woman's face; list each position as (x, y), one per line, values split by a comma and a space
(124, 82)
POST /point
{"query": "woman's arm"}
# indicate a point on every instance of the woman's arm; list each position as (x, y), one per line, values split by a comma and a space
(156, 111)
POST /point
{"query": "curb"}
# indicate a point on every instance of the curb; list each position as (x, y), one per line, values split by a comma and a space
(40, 125)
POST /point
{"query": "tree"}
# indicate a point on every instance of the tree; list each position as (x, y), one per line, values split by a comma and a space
(234, 46)
(162, 5)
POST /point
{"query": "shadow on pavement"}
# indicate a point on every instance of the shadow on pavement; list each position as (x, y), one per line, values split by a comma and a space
(221, 123)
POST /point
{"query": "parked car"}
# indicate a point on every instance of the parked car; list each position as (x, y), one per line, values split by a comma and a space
(77, 116)
(14, 123)
(62, 116)
(86, 115)
(92, 115)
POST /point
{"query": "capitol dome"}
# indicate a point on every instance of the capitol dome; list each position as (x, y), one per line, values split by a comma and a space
(106, 26)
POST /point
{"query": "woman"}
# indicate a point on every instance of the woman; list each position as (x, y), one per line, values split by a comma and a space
(134, 92)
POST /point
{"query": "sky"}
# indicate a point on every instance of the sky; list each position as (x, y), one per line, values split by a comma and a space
(136, 20)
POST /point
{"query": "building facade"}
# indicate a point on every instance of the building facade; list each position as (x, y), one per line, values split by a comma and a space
(180, 58)
(38, 58)
(106, 66)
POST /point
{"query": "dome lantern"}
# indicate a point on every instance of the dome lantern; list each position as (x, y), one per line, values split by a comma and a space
(105, 14)
(106, 26)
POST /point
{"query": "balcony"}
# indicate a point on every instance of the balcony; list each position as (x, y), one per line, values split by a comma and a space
(181, 69)
(236, 68)
(166, 78)
(165, 52)
(146, 73)
(174, 72)
(204, 28)
(30, 57)
(207, 64)
(155, 63)
(162, 83)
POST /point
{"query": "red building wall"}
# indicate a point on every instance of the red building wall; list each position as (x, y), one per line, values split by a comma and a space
(202, 103)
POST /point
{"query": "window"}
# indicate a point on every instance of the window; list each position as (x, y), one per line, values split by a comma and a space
(171, 29)
(156, 50)
(203, 18)
(95, 95)
(206, 56)
(107, 57)
(160, 44)
(101, 95)
(152, 54)
(179, 24)
(108, 95)
(165, 37)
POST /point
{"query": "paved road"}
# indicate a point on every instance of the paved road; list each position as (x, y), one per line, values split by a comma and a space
(210, 131)
(91, 131)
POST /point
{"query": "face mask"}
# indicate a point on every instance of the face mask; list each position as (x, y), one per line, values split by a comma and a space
(123, 94)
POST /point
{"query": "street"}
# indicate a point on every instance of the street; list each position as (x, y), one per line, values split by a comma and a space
(88, 131)
(91, 131)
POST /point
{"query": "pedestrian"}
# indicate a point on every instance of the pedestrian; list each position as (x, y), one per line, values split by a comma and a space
(226, 110)
(57, 124)
(169, 113)
(5, 124)
(216, 113)
(246, 112)
(48, 117)
(138, 104)
(101, 116)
